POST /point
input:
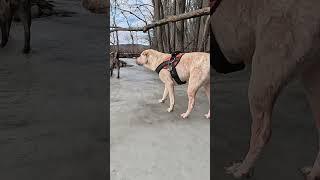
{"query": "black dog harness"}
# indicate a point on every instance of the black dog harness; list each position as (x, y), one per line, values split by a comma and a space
(171, 64)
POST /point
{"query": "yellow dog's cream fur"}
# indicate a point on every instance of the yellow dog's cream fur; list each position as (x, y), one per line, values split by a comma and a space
(193, 67)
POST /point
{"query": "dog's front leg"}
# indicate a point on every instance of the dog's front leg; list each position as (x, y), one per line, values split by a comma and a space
(263, 91)
(311, 81)
(165, 94)
(4, 39)
(170, 88)
(25, 16)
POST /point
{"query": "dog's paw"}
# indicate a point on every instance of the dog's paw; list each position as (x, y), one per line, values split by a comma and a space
(184, 115)
(207, 116)
(26, 50)
(161, 101)
(2, 45)
(306, 172)
(170, 109)
(238, 172)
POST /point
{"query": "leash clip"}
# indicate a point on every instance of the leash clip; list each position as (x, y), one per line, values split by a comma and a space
(170, 66)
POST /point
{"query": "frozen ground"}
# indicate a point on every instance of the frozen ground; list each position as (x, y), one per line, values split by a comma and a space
(52, 102)
(147, 142)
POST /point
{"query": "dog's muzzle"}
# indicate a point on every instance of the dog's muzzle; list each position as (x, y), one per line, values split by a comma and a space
(138, 62)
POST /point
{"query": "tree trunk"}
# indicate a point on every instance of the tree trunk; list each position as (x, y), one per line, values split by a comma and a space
(197, 28)
(166, 12)
(204, 45)
(202, 26)
(164, 32)
(180, 8)
(173, 27)
(158, 33)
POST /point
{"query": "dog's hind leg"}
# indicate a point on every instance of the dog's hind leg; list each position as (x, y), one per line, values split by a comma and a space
(311, 81)
(170, 87)
(8, 25)
(207, 91)
(194, 84)
(271, 70)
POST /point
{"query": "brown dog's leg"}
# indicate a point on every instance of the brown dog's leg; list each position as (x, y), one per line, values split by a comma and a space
(207, 91)
(311, 81)
(170, 86)
(270, 72)
(25, 16)
(9, 22)
(165, 94)
(4, 32)
(195, 82)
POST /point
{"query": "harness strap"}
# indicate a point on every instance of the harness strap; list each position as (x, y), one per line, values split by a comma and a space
(171, 64)
(175, 76)
(161, 66)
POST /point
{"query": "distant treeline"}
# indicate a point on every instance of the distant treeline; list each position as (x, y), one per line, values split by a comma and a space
(129, 50)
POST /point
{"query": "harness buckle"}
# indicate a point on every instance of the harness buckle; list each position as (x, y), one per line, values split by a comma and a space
(170, 63)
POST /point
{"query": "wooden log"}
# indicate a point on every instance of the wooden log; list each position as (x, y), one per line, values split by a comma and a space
(175, 18)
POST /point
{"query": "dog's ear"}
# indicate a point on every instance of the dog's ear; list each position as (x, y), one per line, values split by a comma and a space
(146, 53)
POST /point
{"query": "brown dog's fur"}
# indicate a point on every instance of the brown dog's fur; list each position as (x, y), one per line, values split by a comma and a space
(280, 40)
(193, 67)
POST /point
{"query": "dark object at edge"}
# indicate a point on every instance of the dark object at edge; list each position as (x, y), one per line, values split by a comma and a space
(218, 61)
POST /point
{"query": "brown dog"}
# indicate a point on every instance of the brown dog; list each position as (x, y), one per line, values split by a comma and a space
(280, 40)
(17, 8)
(193, 67)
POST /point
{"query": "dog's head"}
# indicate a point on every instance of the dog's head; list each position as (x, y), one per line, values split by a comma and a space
(143, 58)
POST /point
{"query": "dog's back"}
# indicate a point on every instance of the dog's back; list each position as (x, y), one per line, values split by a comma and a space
(196, 60)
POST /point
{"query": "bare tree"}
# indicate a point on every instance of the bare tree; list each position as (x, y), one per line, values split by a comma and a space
(171, 24)
(180, 8)
(202, 28)
(156, 18)
(115, 62)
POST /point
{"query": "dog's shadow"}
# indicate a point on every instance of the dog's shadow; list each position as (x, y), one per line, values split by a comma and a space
(154, 112)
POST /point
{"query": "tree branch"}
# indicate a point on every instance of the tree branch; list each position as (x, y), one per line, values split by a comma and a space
(192, 14)
(126, 29)
(127, 11)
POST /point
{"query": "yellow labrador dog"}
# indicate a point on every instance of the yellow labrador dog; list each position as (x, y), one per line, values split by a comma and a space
(194, 68)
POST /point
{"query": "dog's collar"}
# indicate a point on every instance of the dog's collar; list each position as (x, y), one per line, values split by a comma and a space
(170, 64)
(173, 60)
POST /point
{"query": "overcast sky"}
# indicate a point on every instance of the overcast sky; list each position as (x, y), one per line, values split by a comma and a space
(130, 5)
